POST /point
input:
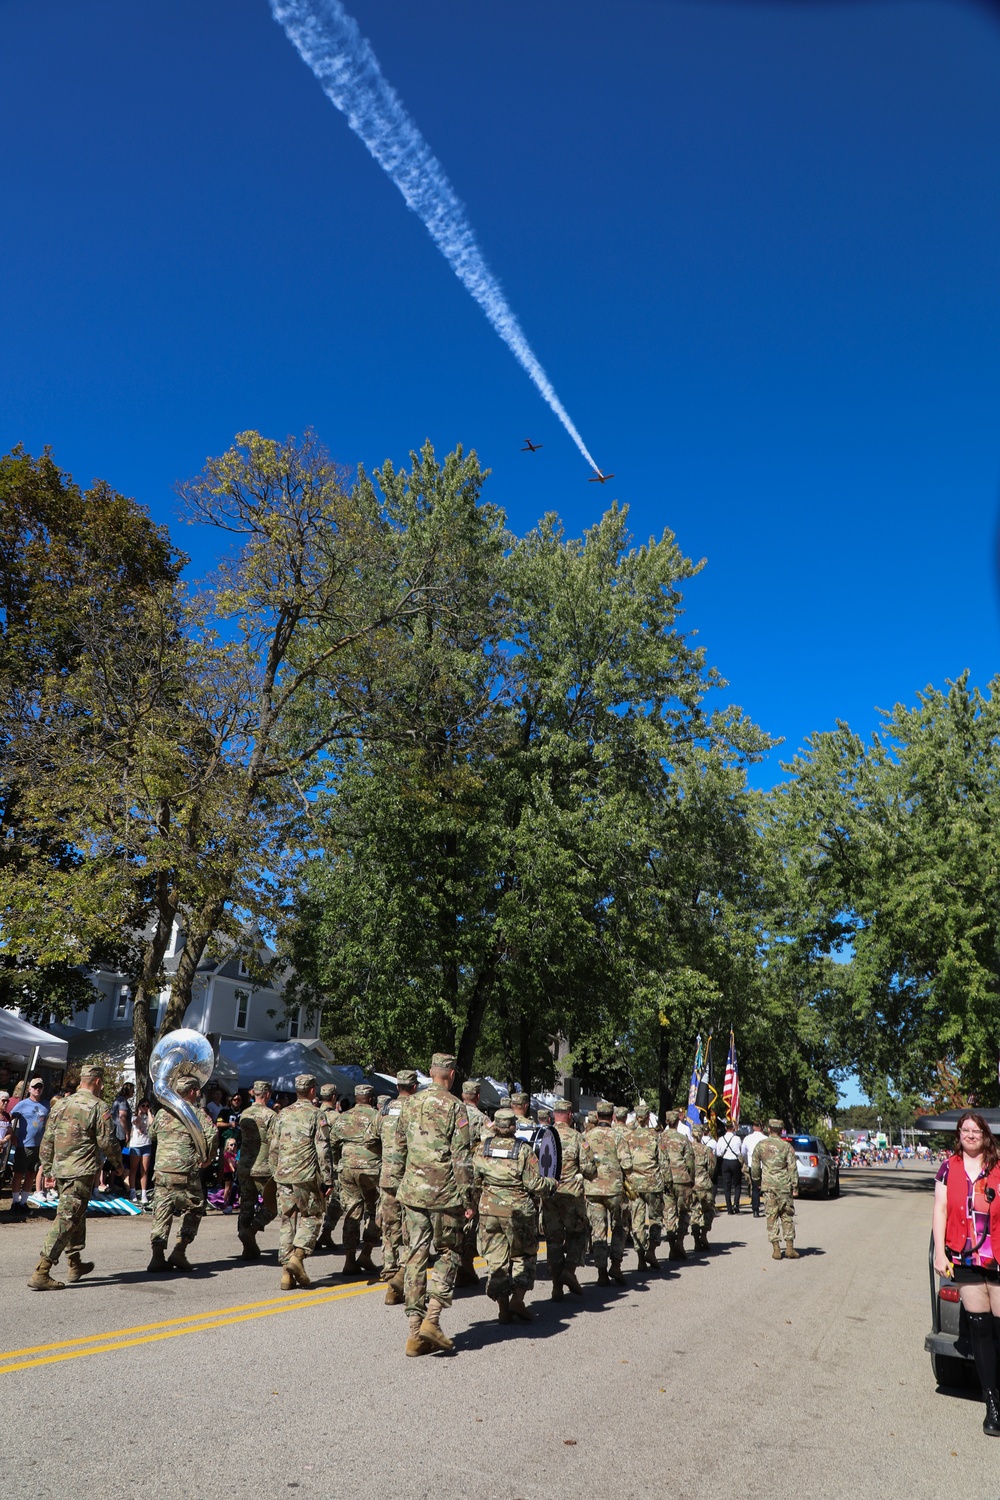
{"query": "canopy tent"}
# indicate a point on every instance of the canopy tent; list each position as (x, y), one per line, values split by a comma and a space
(114, 1044)
(18, 1040)
(279, 1062)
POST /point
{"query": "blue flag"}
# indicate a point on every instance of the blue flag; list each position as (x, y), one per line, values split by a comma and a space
(693, 1112)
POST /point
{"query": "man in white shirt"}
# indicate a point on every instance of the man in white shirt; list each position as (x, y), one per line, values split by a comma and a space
(729, 1152)
(752, 1141)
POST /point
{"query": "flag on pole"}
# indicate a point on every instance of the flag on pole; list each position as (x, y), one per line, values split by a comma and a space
(707, 1098)
(693, 1116)
(731, 1085)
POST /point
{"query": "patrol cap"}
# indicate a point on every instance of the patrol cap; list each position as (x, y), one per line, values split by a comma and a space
(775, 1124)
(561, 1104)
(444, 1060)
(182, 1084)
(328, 1091)
(697, 1131)
(642, 1110)
(621, 1112)
(364, 1091)
(261, 1086)
(471, 1086)
(90, 1072)
(504, 1101)
(672, 1116)
(605, 1109)
(407, 1078)
(505, 1119)
(519, 1098)
(304, 1082)
(383, 1099)
(545, 1117)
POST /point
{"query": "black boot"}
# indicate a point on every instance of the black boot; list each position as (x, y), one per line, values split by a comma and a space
(991, 1423)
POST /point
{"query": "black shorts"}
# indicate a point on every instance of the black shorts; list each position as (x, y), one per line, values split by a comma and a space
(25, 1160)
(977, 1275)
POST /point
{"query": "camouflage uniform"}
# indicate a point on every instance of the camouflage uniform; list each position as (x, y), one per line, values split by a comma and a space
(177, 1188)
(520, 1106)
(77, 1130)
(357, 1151)
(644, 1185)
(331, 1214)
(507, 1170)
(620, 1121)
(254, 1170)
(603, 1194)
(480, 1129)
(564, 1213)
(703, 1201)
(299, 1156)
(390, 1213)
(776, 1170)
(430, 1169)
(676, 1155)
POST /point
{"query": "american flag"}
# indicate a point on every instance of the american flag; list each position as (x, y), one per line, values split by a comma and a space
(731, 1086)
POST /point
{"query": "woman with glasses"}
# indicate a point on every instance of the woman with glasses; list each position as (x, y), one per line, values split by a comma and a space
(967, 1242)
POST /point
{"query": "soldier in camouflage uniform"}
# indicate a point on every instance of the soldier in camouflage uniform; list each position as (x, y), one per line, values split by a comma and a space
(620, 1120)
(589, 1121)
(177, 1187)
(677, 1157)
(545, 1117)
(390, 1214)
(331, 1214)
(431, 1171)
(480, 1129)
(603, 1194)
(646, 1186)
(775, 1169)
(703, 1197)
(77, 1130)
(520, 1104)
(507, 1171)
(303, 1169)
(564, 1213)
(357, 1153)
(255, 1171)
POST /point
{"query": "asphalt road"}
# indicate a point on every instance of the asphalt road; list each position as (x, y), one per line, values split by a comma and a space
(732, 1375)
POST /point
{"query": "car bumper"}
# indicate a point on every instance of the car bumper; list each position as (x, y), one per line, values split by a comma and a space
(946, 1345)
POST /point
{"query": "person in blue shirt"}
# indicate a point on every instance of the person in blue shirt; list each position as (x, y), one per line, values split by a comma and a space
(28, 1118)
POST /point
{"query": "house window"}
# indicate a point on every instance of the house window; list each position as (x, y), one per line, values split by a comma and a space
(295, 1023)
(244, 972)
(124, 994)
(242, 1009)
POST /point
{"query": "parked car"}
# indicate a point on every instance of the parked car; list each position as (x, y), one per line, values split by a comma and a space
(819, 1171)
(948, 1341)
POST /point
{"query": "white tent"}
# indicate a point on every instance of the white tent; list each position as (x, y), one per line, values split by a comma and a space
(18, 1040)
(279, 1062)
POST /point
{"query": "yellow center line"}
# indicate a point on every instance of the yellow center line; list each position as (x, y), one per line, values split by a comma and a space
(292, 1305)
(215, 1312)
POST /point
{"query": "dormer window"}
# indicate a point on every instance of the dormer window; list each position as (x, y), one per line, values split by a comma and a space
(242, 1010)
(242, 969)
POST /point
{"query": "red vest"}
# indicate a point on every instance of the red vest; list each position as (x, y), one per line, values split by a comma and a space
(957, 1228)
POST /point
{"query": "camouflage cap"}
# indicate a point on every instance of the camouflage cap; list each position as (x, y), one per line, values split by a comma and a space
(621, 1112)
(383, 1099)
(519, 1098)
(407, 1078)
(561, 1104)
(444, 1060)
(545, 1117)
(471, 1086)
(185, 1082)
(775, 1124)
(261, 1086)
(328, 1091)
(304, 1082)
(90, 1072)
(642, 1110)
(697, 1131)
(672, 1116)
(605, 1109)
(505, 1121)
(505, 1101)
(364, 1091)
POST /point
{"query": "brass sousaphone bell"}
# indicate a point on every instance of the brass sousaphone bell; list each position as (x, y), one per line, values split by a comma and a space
(176, 1054)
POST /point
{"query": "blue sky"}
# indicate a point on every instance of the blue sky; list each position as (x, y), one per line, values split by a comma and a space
(755, 247)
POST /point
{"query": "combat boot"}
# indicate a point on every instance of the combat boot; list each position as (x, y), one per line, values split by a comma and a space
(503, 1309)
(430, 1328)
(415, 1344)
(325, 1241)
(41, 1281)
(467, 1276)
(775, 1251)
(643, 1263)
(251, 1249)
(287, 1280)
(991, 1423)
(77, 1268)
(365, 1262)
(603, 1279)
(517, 1307)
(617, 1274)
(350, 1264)
(158, 1261)
(394, 1291)
(652, 1264)
(790, 1251)
(558, 1293)
(676, 1250)
(177, 1260)
(297, 1269)
(569, 1280)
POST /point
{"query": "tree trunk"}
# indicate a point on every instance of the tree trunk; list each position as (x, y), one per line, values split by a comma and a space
(524, 1052)
(197, 940)
(147, 989)
(475, 1016)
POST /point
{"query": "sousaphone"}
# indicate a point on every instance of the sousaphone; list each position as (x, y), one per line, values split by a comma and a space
(176, 1054)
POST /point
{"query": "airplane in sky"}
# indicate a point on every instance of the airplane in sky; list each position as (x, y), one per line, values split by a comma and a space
(600, 478)
(530, 447)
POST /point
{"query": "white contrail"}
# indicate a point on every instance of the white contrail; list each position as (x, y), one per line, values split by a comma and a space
(331, 44)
